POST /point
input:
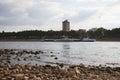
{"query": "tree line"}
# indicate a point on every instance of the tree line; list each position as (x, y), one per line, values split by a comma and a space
(104, 33)
(39, 34)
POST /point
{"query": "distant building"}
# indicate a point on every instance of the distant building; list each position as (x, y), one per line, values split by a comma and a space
(82, 30)
(93, 29)
(66, 25)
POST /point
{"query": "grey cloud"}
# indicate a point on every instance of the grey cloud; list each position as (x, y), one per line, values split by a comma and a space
(40, 13)
(83, 15)
(16, 15)
(5, 10)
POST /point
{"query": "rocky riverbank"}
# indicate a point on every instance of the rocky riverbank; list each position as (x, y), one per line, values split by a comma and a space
(78, 72)
(18, 71)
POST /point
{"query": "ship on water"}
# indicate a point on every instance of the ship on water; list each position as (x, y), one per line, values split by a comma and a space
(69, 40)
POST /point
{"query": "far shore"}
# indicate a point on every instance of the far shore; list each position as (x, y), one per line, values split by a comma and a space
(41, 40)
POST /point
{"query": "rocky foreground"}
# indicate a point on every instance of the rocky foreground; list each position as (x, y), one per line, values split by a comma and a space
(78, 72)
(48, 72)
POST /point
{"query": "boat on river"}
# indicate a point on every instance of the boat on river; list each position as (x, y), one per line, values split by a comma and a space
(88, 40)
(70, 40)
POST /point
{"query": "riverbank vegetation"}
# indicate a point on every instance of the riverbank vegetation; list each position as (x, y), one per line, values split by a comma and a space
(99, 34)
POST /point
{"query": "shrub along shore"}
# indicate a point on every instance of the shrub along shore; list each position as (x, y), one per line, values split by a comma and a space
(59, 72)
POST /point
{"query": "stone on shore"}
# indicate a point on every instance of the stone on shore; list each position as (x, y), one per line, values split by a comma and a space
(48, 72)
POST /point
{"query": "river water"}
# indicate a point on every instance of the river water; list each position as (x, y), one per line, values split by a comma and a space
(89, 53)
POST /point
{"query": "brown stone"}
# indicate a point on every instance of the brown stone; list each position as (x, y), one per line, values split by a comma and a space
(3, 78)
(82, 65)
(77, 71)
(18, 76)
(38, 78)
(26, 78)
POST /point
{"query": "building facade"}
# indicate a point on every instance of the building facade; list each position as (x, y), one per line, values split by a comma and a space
(66, 25)
(93, 29)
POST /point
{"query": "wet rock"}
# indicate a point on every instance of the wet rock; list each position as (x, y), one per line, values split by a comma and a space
(18, 59)
(109, 69)
(41, 52)
(82, 65)
(47, 65)
(12, 52)
(61, 65)
(51, 52)
(30, 56)
(36, 52)
(8, 61)
(2, 51)
(56, 58)
(38, 57)
(52, 55)
(72, 66)
(24, 59)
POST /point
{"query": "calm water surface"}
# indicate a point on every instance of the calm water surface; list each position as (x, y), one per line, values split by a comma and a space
(89, 53)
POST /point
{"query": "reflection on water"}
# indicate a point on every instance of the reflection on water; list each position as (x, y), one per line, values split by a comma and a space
(90, 53)
(65, 53)
(66, 49)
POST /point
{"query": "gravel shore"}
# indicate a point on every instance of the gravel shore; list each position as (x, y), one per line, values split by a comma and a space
(58, 72)
(47, 72)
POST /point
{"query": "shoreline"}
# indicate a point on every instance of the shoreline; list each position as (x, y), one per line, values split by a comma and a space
(48, 72)
(37, 40)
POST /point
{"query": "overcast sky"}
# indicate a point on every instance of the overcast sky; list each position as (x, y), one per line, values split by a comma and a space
(17, 15)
